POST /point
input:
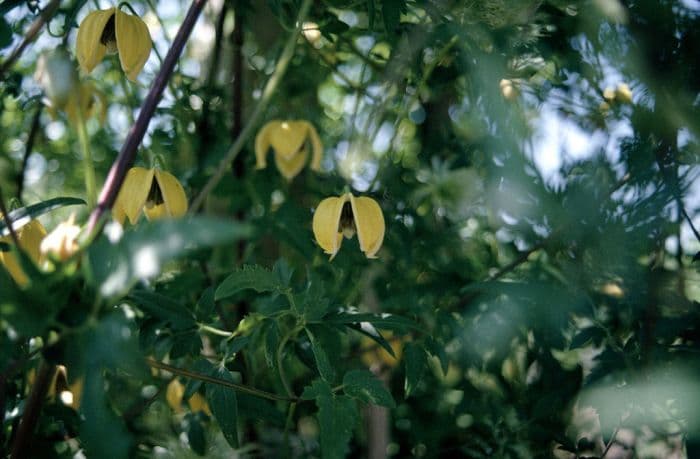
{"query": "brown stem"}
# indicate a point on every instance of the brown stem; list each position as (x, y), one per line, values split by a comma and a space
(6, 218)
(25, 431)
(126, 157)
(31, 137)
(221, 382)
(33, 31)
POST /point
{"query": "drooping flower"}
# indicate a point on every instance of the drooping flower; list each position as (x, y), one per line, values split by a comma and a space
(345, 216)
(29, 237)
(623, 93)
(89, 100)
(288, 140)
(113, 31)
(174, 394)
(62, 242)
(157, 193)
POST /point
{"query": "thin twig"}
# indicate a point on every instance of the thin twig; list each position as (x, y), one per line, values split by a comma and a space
(522, 258)
(126, 157)
(221, 382)
(31, 137)
(31, 34)
(610, 443)
(6, 218)
(270, 88)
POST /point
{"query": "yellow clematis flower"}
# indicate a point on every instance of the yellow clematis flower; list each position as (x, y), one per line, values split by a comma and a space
(288, 139)
(623, 93)
(157, 193)
(174, 394)
(345, 216)
(113, 31)
(62, 242)
(29, 236)
(89, 100)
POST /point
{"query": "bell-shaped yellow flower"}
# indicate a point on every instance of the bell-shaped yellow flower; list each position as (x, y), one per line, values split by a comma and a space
(345, 216)
(157, 193)
(174, 394)
(288, 139)
(29, 237)
(113, 31)
(62, 242)
(89, 100)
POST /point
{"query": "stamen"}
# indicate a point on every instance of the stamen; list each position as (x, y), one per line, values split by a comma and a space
(155, 196)
(347, 221)
(109, 36)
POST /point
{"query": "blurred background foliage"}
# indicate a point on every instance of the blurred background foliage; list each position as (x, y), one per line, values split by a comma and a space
(536, 163)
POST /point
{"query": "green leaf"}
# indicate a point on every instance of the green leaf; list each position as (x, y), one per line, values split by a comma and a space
(272, 340)
(323, 363)
(337, 415)
(101, 425)
(438, 350)
(5, 34)
(201, 366)
(224, 406)
(22, 216)
(140, 254)
(371, 332)
(414, 358)
(249, 277)
(195, 434)
(4, 247)
(251, 407)
(162, 307)
(383, 321)
(364, 386)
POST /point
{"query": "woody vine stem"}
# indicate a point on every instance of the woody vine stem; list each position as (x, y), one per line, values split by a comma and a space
(126, 157)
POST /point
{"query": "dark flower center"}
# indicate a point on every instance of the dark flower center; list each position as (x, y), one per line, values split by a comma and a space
(109, 35)
(155, 196)
(347, 221)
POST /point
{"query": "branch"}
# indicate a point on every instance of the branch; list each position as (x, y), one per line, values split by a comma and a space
(31, 137)
(33, 31)
(6, 218)
(126, 157)
(25, 431)
(270, 88)
(221, 382)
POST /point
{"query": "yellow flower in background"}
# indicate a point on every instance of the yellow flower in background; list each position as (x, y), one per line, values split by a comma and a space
(157, 193)
(89, 100)
(113, 31)
(288, 139)
(345, 216)
(623, 93)
(62, 242)
(175, 393)
(29, 237)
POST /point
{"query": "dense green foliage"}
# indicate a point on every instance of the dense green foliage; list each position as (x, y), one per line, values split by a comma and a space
(537, 285)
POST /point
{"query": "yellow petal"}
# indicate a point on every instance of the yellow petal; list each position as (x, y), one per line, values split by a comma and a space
(174, 394)
(287, 137)
(133, 194)
(317, 147)
(89, 48)
(325, 224)
(289, 168)
(262, 144)
(174, 196)
(369, 223)
(29, 236)
(133, 43)
(199, 403)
